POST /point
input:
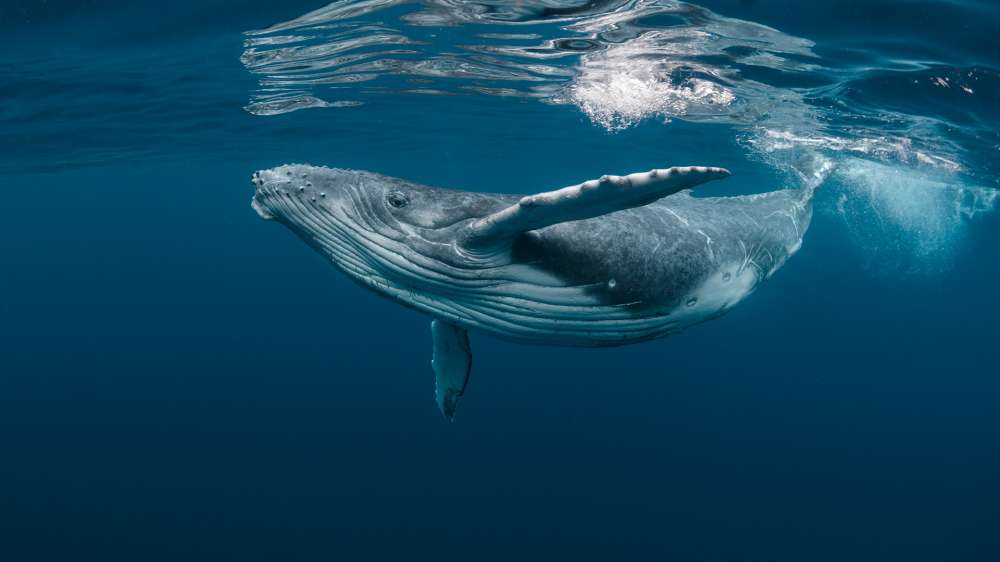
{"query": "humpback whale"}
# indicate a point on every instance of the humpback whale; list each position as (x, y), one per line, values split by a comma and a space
(606, 262)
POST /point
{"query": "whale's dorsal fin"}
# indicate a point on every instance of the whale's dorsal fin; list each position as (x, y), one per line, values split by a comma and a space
(452, 363)
(585, 200)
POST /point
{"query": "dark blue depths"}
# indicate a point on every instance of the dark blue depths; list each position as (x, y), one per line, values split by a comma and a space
(180, 380)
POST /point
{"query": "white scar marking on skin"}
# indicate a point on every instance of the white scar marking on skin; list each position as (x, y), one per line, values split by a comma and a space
(680, 218)
(708, 244)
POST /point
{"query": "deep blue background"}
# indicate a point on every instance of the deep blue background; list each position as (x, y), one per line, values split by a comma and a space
(180, 380)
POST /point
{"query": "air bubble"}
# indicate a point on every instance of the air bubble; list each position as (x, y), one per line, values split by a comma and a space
(612, 283)
(692, 301)
(727, 276)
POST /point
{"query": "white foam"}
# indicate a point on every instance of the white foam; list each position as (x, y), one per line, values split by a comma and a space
(624, 85)
(898, 149)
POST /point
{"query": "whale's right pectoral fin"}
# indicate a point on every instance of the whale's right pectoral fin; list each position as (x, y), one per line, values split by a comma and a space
(452, 362)
(585, 200)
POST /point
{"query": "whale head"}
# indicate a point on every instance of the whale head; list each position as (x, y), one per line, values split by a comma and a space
(392, 235)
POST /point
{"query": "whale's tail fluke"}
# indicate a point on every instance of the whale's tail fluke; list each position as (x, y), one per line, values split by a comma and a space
(812, 169)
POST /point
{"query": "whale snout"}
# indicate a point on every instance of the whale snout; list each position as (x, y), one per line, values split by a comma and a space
(255, 203)
(260, 194)
(293, 188)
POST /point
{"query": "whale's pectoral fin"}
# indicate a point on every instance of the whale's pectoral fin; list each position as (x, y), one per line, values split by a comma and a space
(586, 200)
(452, 362)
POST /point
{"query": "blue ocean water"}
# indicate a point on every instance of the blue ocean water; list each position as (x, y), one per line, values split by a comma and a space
(180, 380)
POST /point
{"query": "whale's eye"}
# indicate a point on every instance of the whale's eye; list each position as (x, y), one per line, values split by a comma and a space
(397, 199)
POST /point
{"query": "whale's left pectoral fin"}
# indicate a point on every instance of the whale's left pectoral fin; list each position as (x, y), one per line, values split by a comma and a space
(452, 362)
(585, 200)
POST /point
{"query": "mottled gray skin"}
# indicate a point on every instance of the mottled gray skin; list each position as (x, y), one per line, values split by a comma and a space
(627, 276)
